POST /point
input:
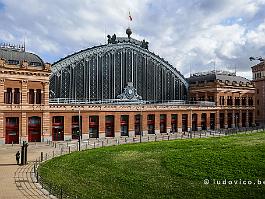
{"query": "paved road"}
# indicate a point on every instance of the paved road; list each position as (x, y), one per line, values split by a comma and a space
(15, 180)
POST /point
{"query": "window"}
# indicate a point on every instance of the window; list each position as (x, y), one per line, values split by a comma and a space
(257, 91)
(31, 96)
(237, 101)
(35, 64)
(13, 62)
(222, 100)
(38, 96)
(229, 101)
(193, 99)
(244, 101)
(58, 119)
(211, 98)
(257, 102)
(8, 96)
(250, 101)
(16, 96)
(93, 119)
(201, 98)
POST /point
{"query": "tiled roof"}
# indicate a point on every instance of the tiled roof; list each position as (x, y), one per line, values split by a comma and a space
(211, 76)
(10, 54)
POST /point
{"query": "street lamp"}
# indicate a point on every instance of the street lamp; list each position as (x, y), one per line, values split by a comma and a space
(79, 128)
(141, 121)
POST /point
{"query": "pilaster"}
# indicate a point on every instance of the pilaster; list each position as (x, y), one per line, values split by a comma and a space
(2, 90)
(24, 91)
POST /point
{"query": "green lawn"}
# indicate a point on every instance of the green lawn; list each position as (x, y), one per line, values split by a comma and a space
(167, 169)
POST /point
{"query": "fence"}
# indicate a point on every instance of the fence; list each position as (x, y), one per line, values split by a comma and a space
(67, 147)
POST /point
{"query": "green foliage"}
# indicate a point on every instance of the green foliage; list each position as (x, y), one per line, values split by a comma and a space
(167, 169)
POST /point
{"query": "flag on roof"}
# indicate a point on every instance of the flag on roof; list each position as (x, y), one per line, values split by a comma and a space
(130, 16)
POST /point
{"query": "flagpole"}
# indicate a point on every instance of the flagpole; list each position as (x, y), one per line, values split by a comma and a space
(105, 36)
(129, 19)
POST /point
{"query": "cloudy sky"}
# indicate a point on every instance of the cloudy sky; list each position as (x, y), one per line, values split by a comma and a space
(193, 35)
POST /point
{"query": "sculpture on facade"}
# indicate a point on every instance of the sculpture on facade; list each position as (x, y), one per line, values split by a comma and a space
(144, 44)
(112, 40)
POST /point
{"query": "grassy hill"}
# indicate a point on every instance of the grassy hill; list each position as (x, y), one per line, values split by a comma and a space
(167, 169)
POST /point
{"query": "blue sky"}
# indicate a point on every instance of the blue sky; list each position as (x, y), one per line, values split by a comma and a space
(193, 35)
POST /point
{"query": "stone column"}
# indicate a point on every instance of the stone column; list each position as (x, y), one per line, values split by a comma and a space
(217, 120)
(45, 97)
(102, 125)
(199, 121)
(179, 116)
(46, 126)
(144, 123)
(23, 127)
(225, 100)
(2, 133)
(169, 127)
(247, 122)
(68, 126)
(233, 119)
(157, 123)
(117, 124)
(85, 128)
(217, 99)
(131, 124)
(189, 120)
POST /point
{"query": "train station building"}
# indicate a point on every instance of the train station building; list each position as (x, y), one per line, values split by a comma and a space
(112, 90)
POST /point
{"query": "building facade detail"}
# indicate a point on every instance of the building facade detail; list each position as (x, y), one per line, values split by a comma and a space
(129, 93)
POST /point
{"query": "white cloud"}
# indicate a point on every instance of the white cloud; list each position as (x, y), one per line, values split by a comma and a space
(186, 33)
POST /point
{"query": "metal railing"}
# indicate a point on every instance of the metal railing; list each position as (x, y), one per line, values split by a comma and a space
(68, 101)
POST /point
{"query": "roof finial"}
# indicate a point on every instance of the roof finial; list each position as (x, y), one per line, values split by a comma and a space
(129, 32)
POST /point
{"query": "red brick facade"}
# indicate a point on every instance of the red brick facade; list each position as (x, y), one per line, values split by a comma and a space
(27, 115)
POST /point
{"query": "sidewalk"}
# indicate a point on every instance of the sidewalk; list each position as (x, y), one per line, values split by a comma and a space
(16, 180)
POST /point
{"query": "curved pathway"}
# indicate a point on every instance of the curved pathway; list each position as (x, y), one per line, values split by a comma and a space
(15, 180)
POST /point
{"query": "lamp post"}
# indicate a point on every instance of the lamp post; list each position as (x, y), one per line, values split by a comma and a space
(191, 122)
(141, 123)
(79, 128)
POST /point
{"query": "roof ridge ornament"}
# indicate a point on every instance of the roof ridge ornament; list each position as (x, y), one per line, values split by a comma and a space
(129, 32)
(19, 47)
(112, 40)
